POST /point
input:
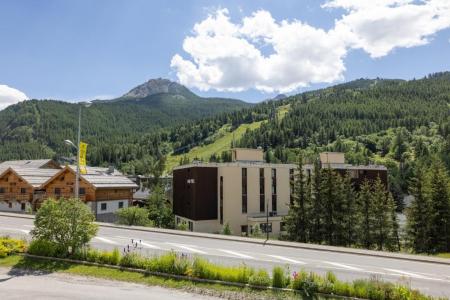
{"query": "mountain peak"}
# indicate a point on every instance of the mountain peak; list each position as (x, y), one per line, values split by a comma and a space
(158, 86)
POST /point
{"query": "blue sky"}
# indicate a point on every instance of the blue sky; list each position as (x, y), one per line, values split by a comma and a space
(78, 50)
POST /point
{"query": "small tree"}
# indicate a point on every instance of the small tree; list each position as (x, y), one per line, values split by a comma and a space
(69, 223)
(160, 209)
(256, 231)
(226, 230)
(133, 216)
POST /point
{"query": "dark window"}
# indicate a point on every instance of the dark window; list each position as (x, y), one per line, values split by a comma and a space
(120, 204)
(57, 191)
(10, 205)
(22, 206)
(221, 200)
(274, 189)
(23, 190)
(82, 191)
(244, 230)
(103, 206)
(266, 227)
(274, 203)
(2, 190)
(291, 186)
(262, 188)
(244, 190)
(191, 226)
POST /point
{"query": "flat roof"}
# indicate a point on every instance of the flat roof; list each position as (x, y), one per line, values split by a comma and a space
(256, 164)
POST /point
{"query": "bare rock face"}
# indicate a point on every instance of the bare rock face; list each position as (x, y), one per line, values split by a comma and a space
(158, 86)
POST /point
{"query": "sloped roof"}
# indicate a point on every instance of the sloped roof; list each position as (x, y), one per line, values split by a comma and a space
(34, 176)
(109, 181)
(97, 171)
(35, 163)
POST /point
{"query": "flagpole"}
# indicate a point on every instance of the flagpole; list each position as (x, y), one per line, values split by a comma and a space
(77, 177)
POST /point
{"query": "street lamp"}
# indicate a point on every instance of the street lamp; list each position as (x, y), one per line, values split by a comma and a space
(77, 146)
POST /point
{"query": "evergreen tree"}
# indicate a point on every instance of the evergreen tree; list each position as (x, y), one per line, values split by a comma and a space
(418, 214)
(349, 213)
(365, 203)
(297, 221)
(160, 209)
(316, 204)
(394, 243)
(382, 224)
(440, 208)
(330, 199)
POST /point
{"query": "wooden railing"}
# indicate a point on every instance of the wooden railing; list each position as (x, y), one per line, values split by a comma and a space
(57, 196)
(15, 197)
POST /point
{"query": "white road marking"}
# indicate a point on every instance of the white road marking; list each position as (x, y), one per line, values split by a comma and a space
(407, 273)
(187, 248)
(25, 231)
(30, 226)
(237, 254)
(150, 245)
(343, 266)
(288, 259)
(15, 229)
(105, 240)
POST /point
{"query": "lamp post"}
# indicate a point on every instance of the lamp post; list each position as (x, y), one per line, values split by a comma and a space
(70, 143)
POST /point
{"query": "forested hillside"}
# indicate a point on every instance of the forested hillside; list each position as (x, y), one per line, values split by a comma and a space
(394, 122)
(37, 128)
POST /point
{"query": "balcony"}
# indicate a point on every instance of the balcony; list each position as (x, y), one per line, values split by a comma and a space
(15, 197)
(58, 196)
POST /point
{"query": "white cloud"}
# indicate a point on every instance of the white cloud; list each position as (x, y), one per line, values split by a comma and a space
(229, 57)
(379, 26)
(9, 96)
(269, 55)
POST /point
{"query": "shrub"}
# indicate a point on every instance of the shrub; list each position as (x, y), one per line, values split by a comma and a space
(133, 260)
(260, 278)
(67, 222)
(92, 255)
(309, 283)
(10, 246)
(279, 278)
(4, 252)
(226, 230)
(202, 268)
(43, 248)
(115, 257)
(133, 216)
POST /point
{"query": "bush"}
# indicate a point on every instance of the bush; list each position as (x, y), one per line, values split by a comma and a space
(44, 248)
(226, 230)
(260, 278)
(4, 252)
(10, 246)
(133, 215)
(67, 222)
(279, 278)
(202, 268)
(134, 260)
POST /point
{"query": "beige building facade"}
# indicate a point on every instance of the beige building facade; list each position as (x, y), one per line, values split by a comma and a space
(242, 193)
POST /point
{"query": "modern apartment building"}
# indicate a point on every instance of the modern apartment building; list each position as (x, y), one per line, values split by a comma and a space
(26, 184)
(244, 192)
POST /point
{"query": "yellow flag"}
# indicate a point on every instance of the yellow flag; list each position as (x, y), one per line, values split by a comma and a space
(83, 149)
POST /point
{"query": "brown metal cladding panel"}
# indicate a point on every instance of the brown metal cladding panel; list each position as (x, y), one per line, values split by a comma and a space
(195, 193)
(369, 175)
(205, 193)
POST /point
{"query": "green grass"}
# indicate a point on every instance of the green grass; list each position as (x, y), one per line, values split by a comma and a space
(231, 292)
(443, 255)
(222, 140)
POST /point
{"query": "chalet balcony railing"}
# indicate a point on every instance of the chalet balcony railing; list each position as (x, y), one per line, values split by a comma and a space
(15, 197)
(58, 196)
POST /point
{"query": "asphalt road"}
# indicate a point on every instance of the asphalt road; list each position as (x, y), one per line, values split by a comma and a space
(431, 278)
(15, 284)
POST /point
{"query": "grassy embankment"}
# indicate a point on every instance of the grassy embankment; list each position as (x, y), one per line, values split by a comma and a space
(222, 141)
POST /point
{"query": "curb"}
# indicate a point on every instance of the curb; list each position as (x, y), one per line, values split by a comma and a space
(182, 277)
(312, 247)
